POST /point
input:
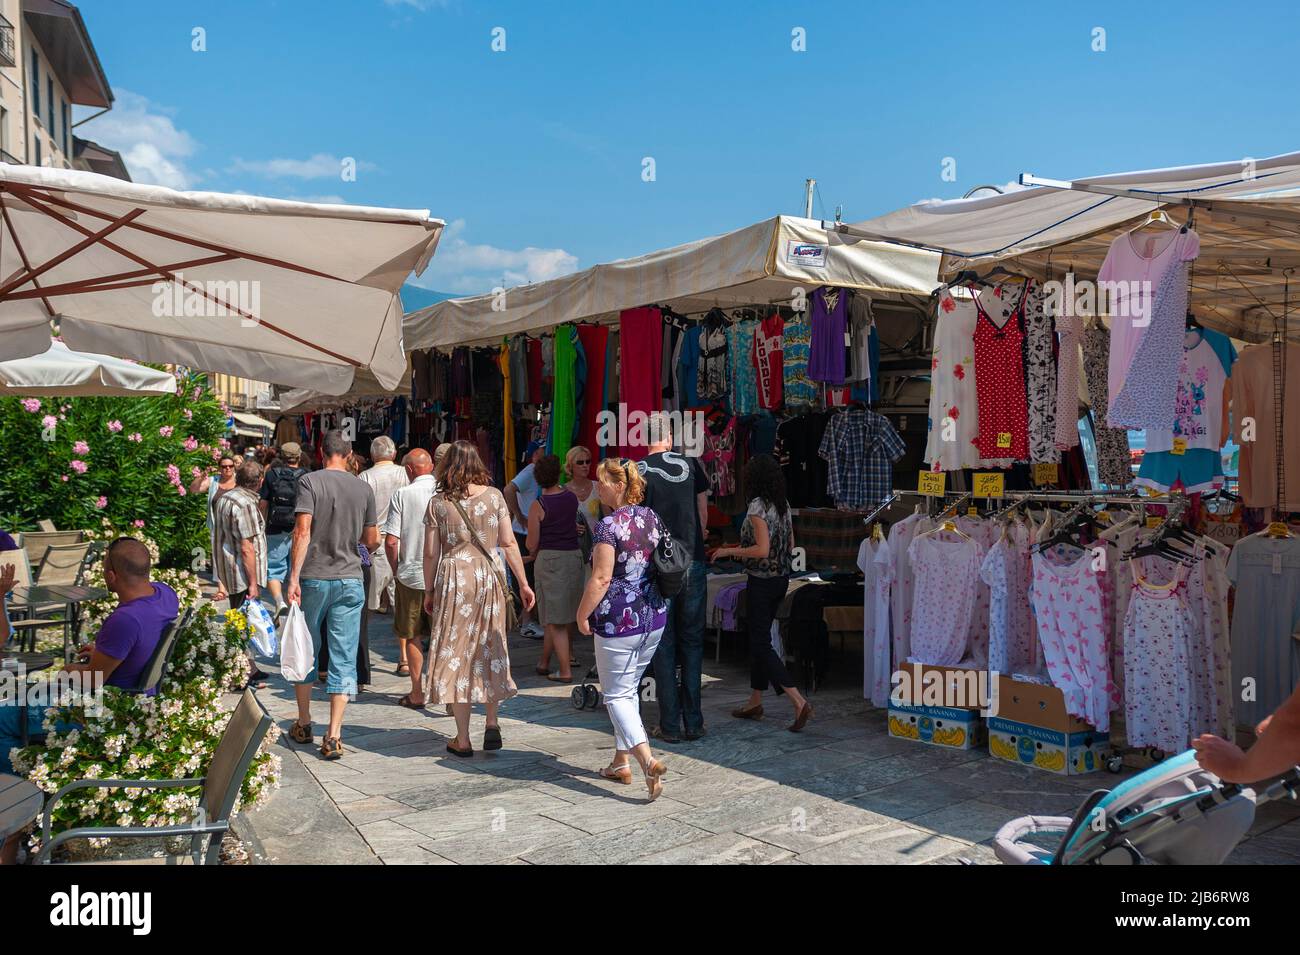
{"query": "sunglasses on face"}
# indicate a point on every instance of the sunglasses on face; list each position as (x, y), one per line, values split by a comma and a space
(581, 464)
(227, 467)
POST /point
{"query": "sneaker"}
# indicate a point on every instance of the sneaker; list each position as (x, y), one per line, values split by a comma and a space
(281, 613)
(531, 631)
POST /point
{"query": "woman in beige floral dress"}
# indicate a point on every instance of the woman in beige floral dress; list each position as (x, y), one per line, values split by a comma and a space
(465, 594)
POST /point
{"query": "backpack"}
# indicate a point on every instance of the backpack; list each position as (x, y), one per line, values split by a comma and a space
(282, 496)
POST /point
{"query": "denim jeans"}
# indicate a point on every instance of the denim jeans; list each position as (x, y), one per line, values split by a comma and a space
(682, 644)
(333, 612)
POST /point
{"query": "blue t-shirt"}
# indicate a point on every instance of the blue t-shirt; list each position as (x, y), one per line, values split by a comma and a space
(527, 490)
(133, 630)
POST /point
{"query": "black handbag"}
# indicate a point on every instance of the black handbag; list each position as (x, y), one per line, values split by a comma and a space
(672, 561)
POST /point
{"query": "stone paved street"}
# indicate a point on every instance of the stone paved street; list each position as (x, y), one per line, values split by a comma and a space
(749, 792)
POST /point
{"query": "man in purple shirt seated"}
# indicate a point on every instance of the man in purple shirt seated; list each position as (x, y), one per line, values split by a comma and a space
(125, 642)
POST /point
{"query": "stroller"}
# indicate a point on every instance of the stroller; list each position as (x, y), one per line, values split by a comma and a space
(1174, 813)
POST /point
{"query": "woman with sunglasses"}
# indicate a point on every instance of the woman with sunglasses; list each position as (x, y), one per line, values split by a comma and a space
(577, 468)
(215, 485)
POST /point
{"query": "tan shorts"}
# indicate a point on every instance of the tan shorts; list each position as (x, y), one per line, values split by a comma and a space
(409, 619)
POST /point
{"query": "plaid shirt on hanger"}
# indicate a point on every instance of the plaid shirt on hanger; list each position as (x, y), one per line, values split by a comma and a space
(860, 448)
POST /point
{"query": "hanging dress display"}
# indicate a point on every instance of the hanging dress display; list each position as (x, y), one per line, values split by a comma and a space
(1265, 616)
(1040, 377)
(594, 339)
(954, 411)
(947, 572)
(564, 407)
(744, 384)
(769, 361)
(828, 314)
(640, 374)
(1114, 465)
(714, 380)
(1157, 675)
(1000, 376)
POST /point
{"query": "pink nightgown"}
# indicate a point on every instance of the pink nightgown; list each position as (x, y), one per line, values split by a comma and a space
(1157, 676)
(946, 571)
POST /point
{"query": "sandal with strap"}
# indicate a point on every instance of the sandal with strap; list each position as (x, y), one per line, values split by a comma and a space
(492, 738)
(620, 774)
(653, 779)
(301, 734)
(406, 702)
(332, 748)
(403, 670)
(462, 753)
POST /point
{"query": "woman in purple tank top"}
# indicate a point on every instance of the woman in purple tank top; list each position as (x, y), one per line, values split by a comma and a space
(558, 569)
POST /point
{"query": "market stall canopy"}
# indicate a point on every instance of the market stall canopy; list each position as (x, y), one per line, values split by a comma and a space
(61, 372)
(763, 263)
(268, 289)
(1247, 213)
(251, 425)
(364, 386)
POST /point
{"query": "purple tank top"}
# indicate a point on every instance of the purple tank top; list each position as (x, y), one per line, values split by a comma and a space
(828, 317)
(559, 530)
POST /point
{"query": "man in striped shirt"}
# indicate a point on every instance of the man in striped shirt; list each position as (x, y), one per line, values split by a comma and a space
(239, 537)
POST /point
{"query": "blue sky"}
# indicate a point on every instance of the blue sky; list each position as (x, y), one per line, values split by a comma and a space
(534, 155)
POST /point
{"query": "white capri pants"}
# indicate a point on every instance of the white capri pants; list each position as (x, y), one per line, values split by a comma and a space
(621, 661)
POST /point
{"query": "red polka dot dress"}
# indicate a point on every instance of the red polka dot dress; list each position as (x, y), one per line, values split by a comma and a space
(1000, 378)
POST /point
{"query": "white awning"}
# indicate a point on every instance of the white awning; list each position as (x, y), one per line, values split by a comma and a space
(61, 372)
(252, 420)
(268, 289)
(761, 264)
(298, 400)
(1247, 213)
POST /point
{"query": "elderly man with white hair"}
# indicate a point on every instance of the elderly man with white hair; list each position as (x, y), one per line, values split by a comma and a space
(385, 478)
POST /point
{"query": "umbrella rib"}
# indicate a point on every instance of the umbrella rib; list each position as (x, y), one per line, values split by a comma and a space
(22, 254)
(175, 237)
(37, 204)
(118, 279)
(91, 239)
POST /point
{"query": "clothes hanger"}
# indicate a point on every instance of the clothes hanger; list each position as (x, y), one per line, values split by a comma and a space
(1158, 216)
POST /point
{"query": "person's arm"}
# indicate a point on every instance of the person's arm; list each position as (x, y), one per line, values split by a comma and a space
(514, 560)
(370, 538)
(370, 526)
(297, 555)
(758, 550)
(511, 494)
(534, 530)
(248, 555)
(602, 571)
(7, 574)
(200, 484)
(702, 507)
(432, 554)
(391, 544)
(1276, 751)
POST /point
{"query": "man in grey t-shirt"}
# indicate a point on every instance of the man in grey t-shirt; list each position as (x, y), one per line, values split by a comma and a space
(335, 512)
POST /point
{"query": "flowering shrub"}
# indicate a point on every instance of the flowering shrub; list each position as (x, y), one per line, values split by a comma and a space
(75, 460)
(168, 736)
(185, 583)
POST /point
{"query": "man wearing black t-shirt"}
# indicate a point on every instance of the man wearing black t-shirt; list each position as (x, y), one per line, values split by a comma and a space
(678, 491)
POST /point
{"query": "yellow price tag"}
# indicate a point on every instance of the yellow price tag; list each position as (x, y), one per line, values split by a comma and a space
(1046, 472)
(1004, 439)
(972, 511)
(1180, 446)
(1153, 493)
(989, 484)
(931, 483)
(1154, 522)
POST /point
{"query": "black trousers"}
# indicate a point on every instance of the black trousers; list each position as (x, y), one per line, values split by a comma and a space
(763, 595)
(363, 644)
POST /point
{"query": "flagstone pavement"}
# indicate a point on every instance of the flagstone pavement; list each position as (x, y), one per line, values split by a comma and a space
(842, 791)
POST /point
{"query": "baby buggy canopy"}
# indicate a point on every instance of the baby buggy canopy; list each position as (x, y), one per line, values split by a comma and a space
(1174, 813)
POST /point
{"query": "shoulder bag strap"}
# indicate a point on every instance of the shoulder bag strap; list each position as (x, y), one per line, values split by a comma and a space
(473, 536)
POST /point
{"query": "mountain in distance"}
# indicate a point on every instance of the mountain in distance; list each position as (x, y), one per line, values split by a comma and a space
(415, 298)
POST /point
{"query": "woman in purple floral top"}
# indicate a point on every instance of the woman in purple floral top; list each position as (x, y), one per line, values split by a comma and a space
(622, 606)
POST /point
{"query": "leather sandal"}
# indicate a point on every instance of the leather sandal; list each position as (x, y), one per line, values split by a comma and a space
(331, 748)
(620, 774)
(462, 753)
(301, 734)
(653, 779)
(406, 702)
(492, 737)
(748, 712)
(801, 718)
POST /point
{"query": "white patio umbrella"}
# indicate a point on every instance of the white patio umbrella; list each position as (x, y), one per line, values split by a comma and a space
(291, 292)
(63, 373)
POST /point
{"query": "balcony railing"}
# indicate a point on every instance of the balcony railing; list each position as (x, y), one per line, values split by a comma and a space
(6, 43)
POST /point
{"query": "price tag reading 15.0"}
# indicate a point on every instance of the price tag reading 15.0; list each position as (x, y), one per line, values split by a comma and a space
(931, 483)
(989, 484)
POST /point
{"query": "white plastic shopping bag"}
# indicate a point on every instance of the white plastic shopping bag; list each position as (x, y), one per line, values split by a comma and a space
(296, 656)
(261, 627)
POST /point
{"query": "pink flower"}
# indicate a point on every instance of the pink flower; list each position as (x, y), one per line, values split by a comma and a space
(181, 488)
(190, 443)
(165, 431)
(137, 523)
(79, 466)
(65, 477)
(81, 447)
(102, 502)
(115, 426)
(196, 471)
(49, 421)
(137, 437)
(32, 404)
(189, 415)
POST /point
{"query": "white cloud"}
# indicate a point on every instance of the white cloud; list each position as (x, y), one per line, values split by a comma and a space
(155, 151)
(469, 268)
(319, 166)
